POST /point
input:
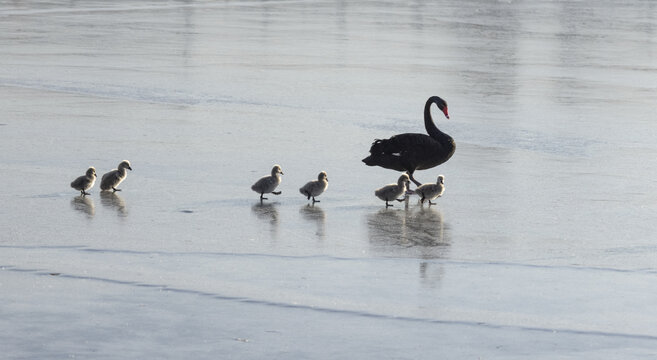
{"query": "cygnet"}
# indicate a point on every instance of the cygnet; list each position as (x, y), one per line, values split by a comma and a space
(113, 178)
(315, 187)
(393, 191)
(267, 184)
(85, 182)
(431, 191)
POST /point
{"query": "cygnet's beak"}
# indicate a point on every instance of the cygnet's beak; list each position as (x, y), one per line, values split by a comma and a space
(129, 168)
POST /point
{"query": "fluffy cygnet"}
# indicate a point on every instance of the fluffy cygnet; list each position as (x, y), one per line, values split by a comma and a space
(267, 184)
(315, 187)
(113, 178)
(85, 182)
(431, 191)
(393, 191)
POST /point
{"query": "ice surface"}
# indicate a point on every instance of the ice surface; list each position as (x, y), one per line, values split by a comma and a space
(542, 246)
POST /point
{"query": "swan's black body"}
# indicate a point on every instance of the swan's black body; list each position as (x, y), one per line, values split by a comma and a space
(410, 152)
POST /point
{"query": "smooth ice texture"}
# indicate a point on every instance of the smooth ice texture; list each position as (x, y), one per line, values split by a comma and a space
(543, 245)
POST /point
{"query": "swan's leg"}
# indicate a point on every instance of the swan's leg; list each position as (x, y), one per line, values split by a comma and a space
(308, 194)
(430, 203)
(388, 204)
(410, 175)
(314, 201)
(276, 192)
(115, 189)
(262, 196)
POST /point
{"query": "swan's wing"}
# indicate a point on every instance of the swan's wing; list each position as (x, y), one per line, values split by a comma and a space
(77, 183)
(315, 188)
(265, 184)
(306, 188)
(387, 192)
(404, 143)
(110, 179)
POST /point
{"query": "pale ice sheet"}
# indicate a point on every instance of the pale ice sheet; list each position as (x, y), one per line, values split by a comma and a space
(542, 245)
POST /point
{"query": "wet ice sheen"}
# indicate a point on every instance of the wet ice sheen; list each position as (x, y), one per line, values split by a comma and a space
(541, 247)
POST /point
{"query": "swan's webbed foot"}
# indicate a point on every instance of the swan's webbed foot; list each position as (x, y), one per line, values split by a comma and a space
(276, 192)
(115, 189)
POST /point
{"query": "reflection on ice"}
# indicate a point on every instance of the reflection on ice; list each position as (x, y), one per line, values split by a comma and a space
(422, 229)
(114, 201)
(84, 204)
(553, 102)
(314, 213)
(267, 212)
(431, 273)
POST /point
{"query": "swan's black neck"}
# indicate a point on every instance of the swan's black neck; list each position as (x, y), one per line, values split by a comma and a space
(431, 127)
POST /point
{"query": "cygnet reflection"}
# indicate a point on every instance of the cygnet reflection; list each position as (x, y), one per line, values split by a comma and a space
(315, 214)
(114, 201)
(267, 212)
(84, 204)
(418, 232)
(415, 231)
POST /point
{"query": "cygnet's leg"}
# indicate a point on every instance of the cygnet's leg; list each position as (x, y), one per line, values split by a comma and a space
(314, 201)
(402, 199)
(308, 194)
(388, 204)
(276, 192)
(262, 196)
(430, 203)
(115, 189)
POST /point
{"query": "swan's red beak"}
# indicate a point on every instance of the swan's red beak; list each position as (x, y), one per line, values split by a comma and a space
(445, 112)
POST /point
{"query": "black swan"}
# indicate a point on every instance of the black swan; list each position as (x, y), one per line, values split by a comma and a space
(410, 152)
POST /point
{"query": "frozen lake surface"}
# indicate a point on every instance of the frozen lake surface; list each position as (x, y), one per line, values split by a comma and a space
(543, 245)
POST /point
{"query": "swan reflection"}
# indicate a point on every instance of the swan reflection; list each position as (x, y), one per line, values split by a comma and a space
(315, 214)
(415, 231)
(114, 201)
(84, 204)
